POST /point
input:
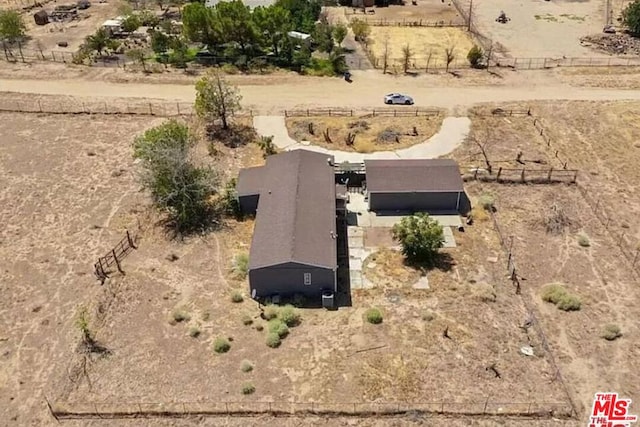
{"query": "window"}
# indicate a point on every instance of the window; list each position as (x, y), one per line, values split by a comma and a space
(307, 278)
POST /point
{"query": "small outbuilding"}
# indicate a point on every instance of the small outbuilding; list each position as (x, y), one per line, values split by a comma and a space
(420, 185)
(41, 17)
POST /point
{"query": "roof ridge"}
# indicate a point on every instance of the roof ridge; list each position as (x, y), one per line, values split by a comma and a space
(294, 223)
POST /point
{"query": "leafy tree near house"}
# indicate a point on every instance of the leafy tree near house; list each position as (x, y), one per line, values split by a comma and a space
(199, 24)
(273, 24)
(216, 98)
(420, 236)
(177, 185)
(631, 17)
(131, 23)
(12, 27)
(100, 40)
(304, 13)
(159, 41)
(339, 33)
(237, 24)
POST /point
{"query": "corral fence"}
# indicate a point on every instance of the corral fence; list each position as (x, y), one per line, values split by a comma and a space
(383, 112)
(57, 106)
(524, 176)
(542, 63)
(484, 407)
(412, 23)
(114, 257)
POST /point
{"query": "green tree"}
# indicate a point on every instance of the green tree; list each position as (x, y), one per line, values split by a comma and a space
(179, 50)
(304, 13)
(338, 62)
(159, 42)
(323, 36)
(339, 33)
(631, 16)
(420, 237)
(273, 24)
(216, 99)
(199, 24)
(177, 186)
(100, 41)
(149, 19)
(12, 27)
(267, 146)
(361, 30)
(131, 23)
(236, 23)
(475, 56)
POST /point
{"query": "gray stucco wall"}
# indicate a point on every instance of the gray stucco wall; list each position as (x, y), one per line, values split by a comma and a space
(248, 204)
(414, 201)
(288, 279)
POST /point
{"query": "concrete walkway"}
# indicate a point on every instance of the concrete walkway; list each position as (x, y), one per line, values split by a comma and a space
(453, 131)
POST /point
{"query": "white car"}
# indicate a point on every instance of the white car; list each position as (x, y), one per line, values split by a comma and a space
(398, 98)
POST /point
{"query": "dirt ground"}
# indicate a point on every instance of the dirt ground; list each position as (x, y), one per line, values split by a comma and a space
(422, 41)
(599, 274)
(426, 10)
(540, 29)
(46, 37)
(371, 133)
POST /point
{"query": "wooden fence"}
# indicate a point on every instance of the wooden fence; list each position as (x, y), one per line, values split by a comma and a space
(383, 112)
(481, 407)
(412, 23)
(114, 257)
(524, 176)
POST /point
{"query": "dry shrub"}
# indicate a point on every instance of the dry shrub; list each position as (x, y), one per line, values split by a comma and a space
(485, 292)
(611, 332)
(487, 201)
(556, 294)
(362, 146)
(556, 220)
(389, 376)
(583, 240)
(359, 126)
(479, 213)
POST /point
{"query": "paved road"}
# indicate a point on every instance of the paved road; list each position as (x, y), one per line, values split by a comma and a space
(365, 93)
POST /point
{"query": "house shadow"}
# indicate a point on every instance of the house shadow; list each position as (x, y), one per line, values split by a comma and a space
(343, 295)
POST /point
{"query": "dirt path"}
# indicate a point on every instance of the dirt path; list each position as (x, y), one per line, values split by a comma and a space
(270, 99)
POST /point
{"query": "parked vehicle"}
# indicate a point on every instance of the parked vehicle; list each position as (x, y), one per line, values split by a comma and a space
(398, 98)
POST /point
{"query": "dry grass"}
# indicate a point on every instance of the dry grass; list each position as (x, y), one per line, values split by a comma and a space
(421, 41)
(386, 268)
(367, 131)
(425, 11)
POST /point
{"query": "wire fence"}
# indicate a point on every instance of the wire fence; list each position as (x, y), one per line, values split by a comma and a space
(342, 112)
(524, 176)
(411, 23)
(483, 407)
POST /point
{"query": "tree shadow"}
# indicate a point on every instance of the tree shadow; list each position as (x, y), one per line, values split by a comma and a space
(236, 135)
(443, 261)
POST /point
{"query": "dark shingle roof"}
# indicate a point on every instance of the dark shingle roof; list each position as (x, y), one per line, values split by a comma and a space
(296, 217)
(250, 181)
(423, 175)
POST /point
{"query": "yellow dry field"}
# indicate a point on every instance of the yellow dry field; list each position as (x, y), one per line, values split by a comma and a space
(421, 41)
(371, 133)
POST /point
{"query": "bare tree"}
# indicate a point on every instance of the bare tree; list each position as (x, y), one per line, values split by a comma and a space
(407, 54)
(484, 140)
(429, 54)
(385, 55)
(449, 56)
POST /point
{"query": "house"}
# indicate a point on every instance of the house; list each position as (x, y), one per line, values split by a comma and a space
(114, 26)
(294, 248)
(299, 37)
(428, 185)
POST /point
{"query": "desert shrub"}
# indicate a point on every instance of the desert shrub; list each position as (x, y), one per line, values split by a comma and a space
(558, 295)
(556, 220)
(273, 340)
(180, 315)
(194, 331)
(270, 312)
(475, 56)
(259, 328)
(583, 240)
(236, 296)
(362, 146)
(241, 265)
(611, 332)
(487, 202)
(246, 366)
(248, 388)
(221, 345)
(206, 315)
(289, 315)
(631, 16)
(484, 292)
(276, 326)
(374, 316)
(247, 320)
(428, 315)
(420, 237)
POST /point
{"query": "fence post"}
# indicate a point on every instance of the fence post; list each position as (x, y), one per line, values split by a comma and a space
(115, 257)
(139, 408)
(150, 109)
(484, 411)
(529, 409)
(40, 105)
(442, 407)
(621, 239)
(549, 176)
(106, 108)
(635, 258)
(522, 175)
(130, 240)
(499, 172)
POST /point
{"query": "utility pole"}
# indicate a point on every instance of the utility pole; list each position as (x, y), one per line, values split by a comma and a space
(470, 12)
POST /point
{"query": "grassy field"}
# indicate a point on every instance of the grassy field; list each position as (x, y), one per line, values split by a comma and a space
(422, 42)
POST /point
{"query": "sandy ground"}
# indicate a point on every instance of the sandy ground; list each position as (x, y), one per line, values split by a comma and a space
(425, 10)
(422, 42)
(555, 33)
